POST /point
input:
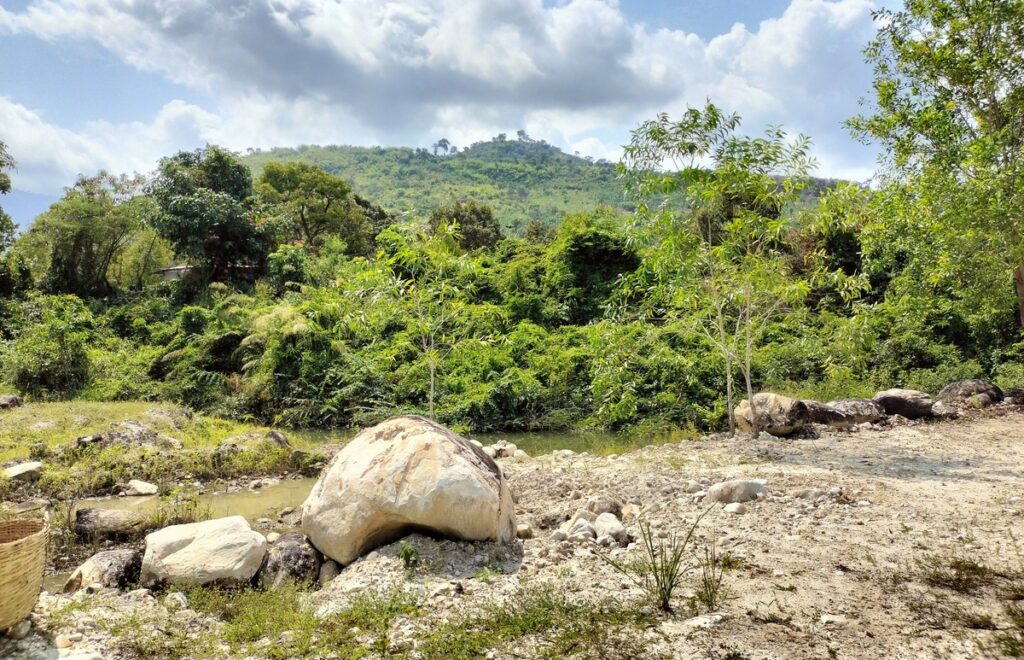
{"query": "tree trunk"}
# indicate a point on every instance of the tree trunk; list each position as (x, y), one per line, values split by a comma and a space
(1018, 282)
(727, 354)
(433, 371)
(747, 350)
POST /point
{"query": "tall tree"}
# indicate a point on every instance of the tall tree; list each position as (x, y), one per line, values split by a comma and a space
(311, 204)
(81, 236)
(713, 223)
(203, 199)
(949, 108)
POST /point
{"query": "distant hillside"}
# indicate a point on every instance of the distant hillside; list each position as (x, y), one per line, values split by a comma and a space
(521, 180)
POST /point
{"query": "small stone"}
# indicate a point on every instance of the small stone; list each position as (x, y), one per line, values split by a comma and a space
(272, 536)
(62, 641)
(600, 504)
(29, 471)
(175, 601)
(9, 401)
(608, 525)
(581, 526)
(137, 487)
(737, 490)
(20, 630)
(735, 507)
(559, 535)
(524, 531)
(691, 486)
(278, 438)
(328, 571)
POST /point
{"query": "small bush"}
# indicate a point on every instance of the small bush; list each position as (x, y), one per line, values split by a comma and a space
(661, 570)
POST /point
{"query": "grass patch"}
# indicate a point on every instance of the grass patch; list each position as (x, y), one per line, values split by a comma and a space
(139, 636)
(47, 432)
(957, 574)
(711, 591)
(251, 617)
(557, 625)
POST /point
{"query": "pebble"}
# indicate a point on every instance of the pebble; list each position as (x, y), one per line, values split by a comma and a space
(20, 630)
(735, 507)
(524, 531)
(176, 601)
(272, 536)
(833, 620)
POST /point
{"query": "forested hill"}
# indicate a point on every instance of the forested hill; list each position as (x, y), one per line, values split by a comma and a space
(519, 179)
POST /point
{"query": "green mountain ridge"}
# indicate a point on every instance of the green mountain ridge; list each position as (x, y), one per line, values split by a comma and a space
(521, 180)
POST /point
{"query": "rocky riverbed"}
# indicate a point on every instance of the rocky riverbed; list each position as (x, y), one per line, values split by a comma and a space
(901, 539)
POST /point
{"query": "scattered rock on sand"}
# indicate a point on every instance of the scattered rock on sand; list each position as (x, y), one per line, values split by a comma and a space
(138, 487)
(291, 558)
(911, 404)
(29, 471)
(776, 414)
(94, 523)
(737, 490)
(112, 568)
(524, 531)
(736, 507)
(407, 473)
(860, 410)
(223, 551)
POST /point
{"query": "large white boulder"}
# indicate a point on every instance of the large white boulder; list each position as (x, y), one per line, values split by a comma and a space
(222, 551)
(403, 475)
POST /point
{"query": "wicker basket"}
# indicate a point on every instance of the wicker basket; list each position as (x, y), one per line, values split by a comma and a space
(22, 558)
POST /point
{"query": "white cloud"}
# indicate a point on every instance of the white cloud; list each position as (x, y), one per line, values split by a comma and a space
(286, 72)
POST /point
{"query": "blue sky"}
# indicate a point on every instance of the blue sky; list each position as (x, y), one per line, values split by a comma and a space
(116, 84)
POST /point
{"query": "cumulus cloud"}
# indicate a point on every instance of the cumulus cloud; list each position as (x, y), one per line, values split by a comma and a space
(364, 71)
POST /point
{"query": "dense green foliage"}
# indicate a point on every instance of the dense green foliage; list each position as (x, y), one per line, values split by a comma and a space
(721, 271)
(203, 198)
